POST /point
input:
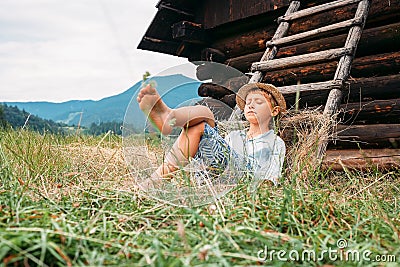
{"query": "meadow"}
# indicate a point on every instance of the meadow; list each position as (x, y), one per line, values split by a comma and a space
(71, 201)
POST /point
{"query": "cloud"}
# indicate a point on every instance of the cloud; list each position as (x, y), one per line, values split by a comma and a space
(58, 50)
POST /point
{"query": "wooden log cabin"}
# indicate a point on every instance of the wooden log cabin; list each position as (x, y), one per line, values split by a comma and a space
(239, 33)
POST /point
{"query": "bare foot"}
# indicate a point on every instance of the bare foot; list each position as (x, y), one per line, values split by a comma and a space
(151, 104)
(150, 183)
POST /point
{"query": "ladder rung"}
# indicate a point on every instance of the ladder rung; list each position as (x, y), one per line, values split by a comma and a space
(291, 89)
(308, 34)
(316, 9)
(304, 59)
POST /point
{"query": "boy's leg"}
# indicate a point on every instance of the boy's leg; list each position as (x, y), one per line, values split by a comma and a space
(184, 147)
(166, 118)
(192, 119)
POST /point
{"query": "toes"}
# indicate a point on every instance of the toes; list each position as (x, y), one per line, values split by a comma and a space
(139, 97)
(150, 90)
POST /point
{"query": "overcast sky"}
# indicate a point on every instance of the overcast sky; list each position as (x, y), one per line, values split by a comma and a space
(58, 50)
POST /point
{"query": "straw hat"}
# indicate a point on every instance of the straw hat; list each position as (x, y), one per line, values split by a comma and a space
(269, 88)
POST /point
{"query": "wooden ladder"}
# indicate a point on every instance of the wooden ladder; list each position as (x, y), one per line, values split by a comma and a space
(344, 54)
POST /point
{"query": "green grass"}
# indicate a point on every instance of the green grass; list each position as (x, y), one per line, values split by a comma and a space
(62, 204)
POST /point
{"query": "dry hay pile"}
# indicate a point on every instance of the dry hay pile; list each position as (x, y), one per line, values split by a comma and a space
(303, 133)
(94, 167)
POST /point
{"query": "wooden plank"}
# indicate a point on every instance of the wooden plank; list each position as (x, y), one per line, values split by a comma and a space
(361, 89)
(219, 73)
(295, 61)
(367, 133)
(160, 6)
(213, 90)
(356, 136)
(317, 9)
(221, 12)
(362, 159)
(189, 32)
(377, 111)
(379, 96)
(320, 86)
(313, 33)
(375, 65)
(386, 37)
(158, 45)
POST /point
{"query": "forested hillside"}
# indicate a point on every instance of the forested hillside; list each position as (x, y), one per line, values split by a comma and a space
(13, 117)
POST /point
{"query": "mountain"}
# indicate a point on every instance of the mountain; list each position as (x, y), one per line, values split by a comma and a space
(174, 89)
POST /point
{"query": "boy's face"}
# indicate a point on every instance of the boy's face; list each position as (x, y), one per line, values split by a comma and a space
(258, 108)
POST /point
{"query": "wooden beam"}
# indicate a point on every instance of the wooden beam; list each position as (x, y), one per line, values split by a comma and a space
(189, 32)
(362, 159)
(356, 90)
(375, 65)
(231, 16)
(313, 33)
(306, 59)
(377, 96)
(250, 41)
(213, 90)
(379, 11)
(317, 9)
(160, 5)
(219, 73)
(368, 133)
(308, 87)
(377, 111)
(386, 37)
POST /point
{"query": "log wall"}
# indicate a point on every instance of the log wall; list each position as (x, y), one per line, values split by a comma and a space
(370, 112)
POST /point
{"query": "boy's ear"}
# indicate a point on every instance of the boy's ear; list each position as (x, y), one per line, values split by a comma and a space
(275, 111)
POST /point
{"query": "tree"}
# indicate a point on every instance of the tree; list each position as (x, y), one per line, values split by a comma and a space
(17, 118)
(3, 121)
(104, 127)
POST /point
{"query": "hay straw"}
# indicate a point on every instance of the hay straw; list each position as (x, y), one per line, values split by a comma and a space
(304, 132)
